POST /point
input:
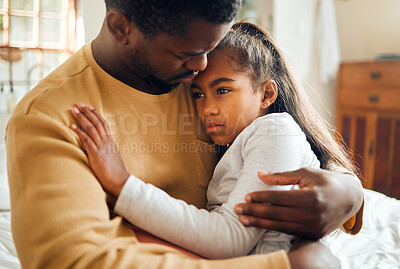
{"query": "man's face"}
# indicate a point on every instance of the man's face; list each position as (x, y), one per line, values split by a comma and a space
(166, 60)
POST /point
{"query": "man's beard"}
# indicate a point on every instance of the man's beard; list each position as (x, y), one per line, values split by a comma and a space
(152, 76)
(148, 73)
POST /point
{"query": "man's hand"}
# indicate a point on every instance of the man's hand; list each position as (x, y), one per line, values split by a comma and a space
(104, 158)
(323, 203)
(312, 255)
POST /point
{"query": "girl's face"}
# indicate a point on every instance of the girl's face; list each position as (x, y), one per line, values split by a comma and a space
(225, 99)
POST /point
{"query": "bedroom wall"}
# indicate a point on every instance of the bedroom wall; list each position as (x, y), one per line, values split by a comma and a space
(92, 12)
(366, 28)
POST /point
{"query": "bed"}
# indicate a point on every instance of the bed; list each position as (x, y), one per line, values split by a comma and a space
(376, 246)
(8, 254)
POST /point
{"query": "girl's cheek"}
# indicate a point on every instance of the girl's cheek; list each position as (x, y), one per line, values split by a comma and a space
(199, 108)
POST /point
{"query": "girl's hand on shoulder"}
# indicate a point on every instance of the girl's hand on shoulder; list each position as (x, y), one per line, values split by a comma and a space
(104, 158)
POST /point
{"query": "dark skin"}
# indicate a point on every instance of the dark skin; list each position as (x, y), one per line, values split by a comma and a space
(312, 254)
(108, 50)
(308, 212)
(119, 38)
(153, 64)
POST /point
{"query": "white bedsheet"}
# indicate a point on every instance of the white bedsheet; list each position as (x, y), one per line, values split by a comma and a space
(8, 254)
(378, 243)
(376, 246)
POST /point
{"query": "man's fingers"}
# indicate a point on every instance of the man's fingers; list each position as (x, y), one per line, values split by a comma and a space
(280, 226)
(272, 212)
(286, 178)
(293, 198)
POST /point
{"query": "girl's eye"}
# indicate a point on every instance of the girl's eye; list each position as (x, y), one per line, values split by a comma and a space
(197, 95)
(222, 91)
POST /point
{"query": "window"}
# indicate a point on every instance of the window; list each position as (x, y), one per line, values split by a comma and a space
(35, 37)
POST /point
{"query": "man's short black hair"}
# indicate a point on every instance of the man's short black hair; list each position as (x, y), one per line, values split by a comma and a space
(173, 16)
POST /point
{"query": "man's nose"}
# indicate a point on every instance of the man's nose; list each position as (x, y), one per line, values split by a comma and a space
(197, 63)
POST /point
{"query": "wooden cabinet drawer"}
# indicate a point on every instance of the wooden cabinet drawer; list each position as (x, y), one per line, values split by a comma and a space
(368, 117)
(375, 75)
(384, 100)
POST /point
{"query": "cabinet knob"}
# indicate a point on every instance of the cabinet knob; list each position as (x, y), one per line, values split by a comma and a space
(371, 148)
(376, 75)
(373, 98)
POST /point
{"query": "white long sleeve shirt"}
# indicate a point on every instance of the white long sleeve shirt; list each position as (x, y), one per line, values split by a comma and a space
(272, 143)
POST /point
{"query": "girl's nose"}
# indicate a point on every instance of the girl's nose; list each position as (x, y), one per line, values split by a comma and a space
(197, 63)
(210, 107)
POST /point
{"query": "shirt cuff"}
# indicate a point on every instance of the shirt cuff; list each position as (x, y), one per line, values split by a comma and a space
(354, 224)
(128, 191)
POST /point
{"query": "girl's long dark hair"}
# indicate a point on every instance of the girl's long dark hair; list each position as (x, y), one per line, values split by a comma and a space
(255, 52)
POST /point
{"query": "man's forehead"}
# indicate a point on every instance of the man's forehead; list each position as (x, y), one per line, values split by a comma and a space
(200, 38)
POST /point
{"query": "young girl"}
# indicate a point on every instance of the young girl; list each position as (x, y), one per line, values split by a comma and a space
(248, 100)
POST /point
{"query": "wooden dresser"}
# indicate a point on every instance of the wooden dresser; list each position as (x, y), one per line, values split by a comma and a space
(368, 118)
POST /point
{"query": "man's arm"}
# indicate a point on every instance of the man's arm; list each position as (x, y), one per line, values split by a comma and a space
(309, 254)
(325, 201)
(60, 218)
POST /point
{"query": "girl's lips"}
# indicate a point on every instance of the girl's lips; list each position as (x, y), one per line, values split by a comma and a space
(214, 128)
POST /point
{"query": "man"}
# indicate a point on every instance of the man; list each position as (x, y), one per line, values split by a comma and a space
(131, 73)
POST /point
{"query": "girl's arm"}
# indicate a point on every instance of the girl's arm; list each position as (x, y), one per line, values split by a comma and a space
(216, 234)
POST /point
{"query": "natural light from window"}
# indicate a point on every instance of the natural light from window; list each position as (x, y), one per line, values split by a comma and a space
(35, 37)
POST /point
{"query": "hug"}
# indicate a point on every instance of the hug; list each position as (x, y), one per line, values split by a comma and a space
(267, 179)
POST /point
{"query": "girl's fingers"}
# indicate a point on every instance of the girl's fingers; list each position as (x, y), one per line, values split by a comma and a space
(103, 121)
(86, 126)
(93, 118)
(87, 142)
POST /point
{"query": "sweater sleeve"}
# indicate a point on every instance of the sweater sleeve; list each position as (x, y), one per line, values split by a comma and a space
(60, 218)
(219, 233)
(354, 224)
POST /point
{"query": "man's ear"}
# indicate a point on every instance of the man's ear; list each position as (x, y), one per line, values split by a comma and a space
(270, 90)
(119, 26)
